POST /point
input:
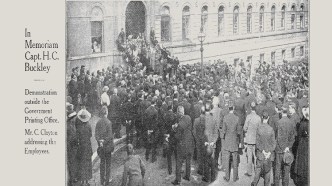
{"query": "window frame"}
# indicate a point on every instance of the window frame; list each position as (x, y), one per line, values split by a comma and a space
(165, 19)
(236, 19)
(261, 18)
(185, 19)
(221, 20)
(204, 18)
(97, 16)
(273, 18)
(249, 19)
(283, 16)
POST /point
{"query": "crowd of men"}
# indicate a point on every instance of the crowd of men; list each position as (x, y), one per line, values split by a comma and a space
(211, 116)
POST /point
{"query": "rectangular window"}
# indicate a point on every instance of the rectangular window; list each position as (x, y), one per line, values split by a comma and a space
(220, 24)
(293, 21)
(302, 51)
(272, 21)
(283, 54)
(185, 26)
(96, 36)
(236, 62)
(204, 22)
(236, 23)
(293, 52)
(249, 23)
(261, 58)
(165, 28)
(273, 58)
(249, 59)
(283, 14)
(261, 22)
(302, 20)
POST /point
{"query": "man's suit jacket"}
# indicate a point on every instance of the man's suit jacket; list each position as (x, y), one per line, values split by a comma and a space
(265, 140)
(114, 107)
(230, 131)
(104, 132)
(151, 118)
(285, 134)
(184, 136)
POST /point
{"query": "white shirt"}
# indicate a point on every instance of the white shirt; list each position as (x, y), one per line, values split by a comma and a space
(105, 99)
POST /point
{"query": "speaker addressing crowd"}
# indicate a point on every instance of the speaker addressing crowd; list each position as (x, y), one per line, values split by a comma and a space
(212, 116)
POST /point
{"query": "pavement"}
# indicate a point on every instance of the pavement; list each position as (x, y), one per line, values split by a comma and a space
(156, 173)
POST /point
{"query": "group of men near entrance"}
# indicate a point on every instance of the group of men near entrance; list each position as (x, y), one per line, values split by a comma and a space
(211, 119)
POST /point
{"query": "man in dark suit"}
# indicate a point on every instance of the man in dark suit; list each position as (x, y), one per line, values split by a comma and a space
(170, 119)
(231, 132)
(285, 139)
(151, 119)
(114, 116)
(265, 146)
(200, 139)
(104, 137)
(185, 144)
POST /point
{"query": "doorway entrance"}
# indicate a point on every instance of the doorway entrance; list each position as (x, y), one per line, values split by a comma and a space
(135, 18)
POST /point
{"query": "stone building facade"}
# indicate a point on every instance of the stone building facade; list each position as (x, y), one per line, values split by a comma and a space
(248, 30)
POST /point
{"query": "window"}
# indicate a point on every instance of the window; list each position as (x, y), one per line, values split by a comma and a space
(165, 24)
(261, 19)
(185, 22)
(273, 58)
(283, 15)
(96, 30)
(283, 54)
(236, 61)
(220, 20)
(204, 18)
(302, 51)
(236, 20)
(293, 17)
(249, 19)
(249, 59)
(293, 52)
(261, 58)
(273, 17)
(302, 17)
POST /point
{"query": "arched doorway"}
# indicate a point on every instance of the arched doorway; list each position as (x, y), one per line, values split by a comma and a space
(135, 18)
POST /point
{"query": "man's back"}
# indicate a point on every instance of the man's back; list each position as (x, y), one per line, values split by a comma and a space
(231, 129)
(285, 134)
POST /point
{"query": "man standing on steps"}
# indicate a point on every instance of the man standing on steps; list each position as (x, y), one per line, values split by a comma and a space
(104, 137)
(185, 144)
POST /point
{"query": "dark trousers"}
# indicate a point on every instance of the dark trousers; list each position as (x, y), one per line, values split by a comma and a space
(234, 155)
(151, 146)
(116, 127)
(259, 171)
(72, 163)
(139, 132)
(170, 151)
(105, 166)
(200, 157)
(282, 170)
(129, 131)
(179, 162)
(217, 151)
(209, 167)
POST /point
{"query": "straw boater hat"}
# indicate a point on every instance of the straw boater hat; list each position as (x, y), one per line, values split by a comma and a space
(305, 112)
(105, 88)
(84, 115)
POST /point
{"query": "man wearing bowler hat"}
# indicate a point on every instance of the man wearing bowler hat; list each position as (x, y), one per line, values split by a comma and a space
(285, 139)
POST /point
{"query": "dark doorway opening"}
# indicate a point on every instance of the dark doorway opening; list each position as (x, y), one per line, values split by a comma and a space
(135, 18)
